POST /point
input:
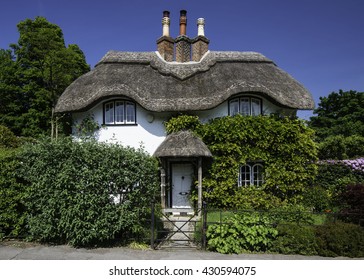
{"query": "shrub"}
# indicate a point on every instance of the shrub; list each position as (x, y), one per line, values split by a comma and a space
(352, 203)
(239, 233)
(12, 189)
(295, 239)
(317, 198)
(87, 193)
(340, 239)
(7, 138)
(332, 179)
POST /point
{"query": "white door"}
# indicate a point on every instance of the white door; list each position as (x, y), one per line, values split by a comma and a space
(182, 176)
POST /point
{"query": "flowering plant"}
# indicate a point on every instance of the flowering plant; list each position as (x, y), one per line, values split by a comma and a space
(354, 164)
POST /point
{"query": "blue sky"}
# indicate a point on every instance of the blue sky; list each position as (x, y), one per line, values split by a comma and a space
(318, 42)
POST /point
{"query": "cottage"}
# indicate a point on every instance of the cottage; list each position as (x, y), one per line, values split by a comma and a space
(133, 93)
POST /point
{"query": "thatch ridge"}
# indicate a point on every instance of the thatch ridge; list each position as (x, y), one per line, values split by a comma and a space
(182, 144)
(160, 86)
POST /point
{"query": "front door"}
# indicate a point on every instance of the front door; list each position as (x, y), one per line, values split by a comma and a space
(182, 176)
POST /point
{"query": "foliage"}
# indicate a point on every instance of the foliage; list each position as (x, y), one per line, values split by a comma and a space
(7, 138)
(87, 193)
(340, 239)
(241, 233)
(339, 113)
(295, 239)
(297, 214)
(12, 190)
(284, 145)
(87, 128)
(352, 203)
(317, 198)
(33, 74)
(183, 122)
(340, 147)
(332, 178)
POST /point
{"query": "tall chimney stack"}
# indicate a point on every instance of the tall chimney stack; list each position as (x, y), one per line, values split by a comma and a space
(165, 44)
(183, 43)
(200, 44)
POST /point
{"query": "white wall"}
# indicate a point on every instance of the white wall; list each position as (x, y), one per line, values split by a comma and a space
(149, 131)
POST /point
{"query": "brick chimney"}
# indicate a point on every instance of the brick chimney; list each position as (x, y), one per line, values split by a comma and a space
(200, 44)
(165, 44)
(183, 43)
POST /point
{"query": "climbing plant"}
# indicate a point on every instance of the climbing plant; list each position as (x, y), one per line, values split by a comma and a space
(284, 146)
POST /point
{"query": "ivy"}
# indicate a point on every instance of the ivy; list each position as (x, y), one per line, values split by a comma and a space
(285, 146)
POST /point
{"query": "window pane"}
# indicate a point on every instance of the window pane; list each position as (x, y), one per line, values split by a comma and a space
(234, 107)
(245, 175)
(256, 107)
(119, 112)
(130, 112)
(258, 175)
(109, 112)
(244, 106)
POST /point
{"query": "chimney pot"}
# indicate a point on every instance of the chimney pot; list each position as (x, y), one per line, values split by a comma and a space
(201, 27)
(182, 22)
(166, 14)
(165, 23)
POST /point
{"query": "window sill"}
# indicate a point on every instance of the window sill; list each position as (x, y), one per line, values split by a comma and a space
(120, 124)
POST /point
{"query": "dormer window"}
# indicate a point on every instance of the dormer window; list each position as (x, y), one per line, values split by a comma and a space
(246, 106)
(119, 112)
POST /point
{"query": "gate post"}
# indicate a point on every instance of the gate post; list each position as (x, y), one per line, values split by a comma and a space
(204, 224)
(152, 227)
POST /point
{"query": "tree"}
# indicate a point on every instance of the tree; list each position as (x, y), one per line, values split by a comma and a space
(339, 125)
(339, 113)
(43, 67)
(10, 92)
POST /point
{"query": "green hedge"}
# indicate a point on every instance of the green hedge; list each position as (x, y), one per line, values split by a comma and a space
(12, 195)
(73, 188)
(340, 239)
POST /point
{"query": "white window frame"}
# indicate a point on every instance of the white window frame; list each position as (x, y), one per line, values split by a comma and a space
(244, 105)
(251, 174)
(119, 112)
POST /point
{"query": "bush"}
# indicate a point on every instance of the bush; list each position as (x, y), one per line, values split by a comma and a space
(295, 239)
(7, 138)
(352, 203)
(340, 239)
(12, 189)
(317, 198)
(239, 233)
(331, 181)
(87, 193)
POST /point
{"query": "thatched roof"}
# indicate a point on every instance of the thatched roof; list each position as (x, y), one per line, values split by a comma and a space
(160, 86)
(182, 144)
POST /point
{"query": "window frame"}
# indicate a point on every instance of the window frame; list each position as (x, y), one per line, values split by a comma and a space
(239, 100)
(116, 113)
(254, 178)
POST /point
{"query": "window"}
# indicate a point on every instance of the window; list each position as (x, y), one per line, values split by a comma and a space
(246, 106)
(119, 112)
(251, 174)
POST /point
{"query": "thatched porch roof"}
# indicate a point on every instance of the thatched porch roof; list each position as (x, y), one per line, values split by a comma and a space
(182, 144)
(161, 86)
